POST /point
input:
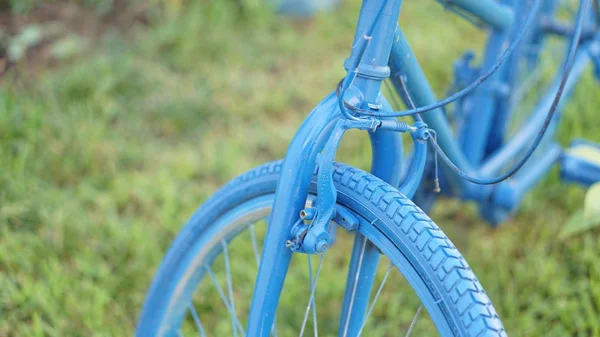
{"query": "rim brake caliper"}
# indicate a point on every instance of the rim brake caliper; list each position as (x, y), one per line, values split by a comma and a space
(311, 232)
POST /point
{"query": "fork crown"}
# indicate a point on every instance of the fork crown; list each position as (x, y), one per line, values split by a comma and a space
(313, 237)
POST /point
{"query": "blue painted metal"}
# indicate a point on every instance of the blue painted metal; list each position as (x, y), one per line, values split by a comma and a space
(373, 64)
(478, 122)
(386, 147)
(506, 197)
(523, 137)
(478, 132)
(387, 151)
(468, 191)
(361, 275)
(370, 70)
(510, 75)
(579, 169)
(415, 172)
(365, 256)
(387, 165)
(508, 194)
(538, 35)
(475, 146)
(317, 238)
(404, 64)
(370, 66)
(292, 190)
(464, 74)
(345, 219)
(372, 111)
(490, 12)
(556, 28)
(449, 5)
(177, 311)
(303, 8)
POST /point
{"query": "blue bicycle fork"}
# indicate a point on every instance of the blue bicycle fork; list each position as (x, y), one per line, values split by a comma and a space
(299, 166)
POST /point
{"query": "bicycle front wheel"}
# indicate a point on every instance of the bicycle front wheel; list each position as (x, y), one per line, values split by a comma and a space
(205, 283)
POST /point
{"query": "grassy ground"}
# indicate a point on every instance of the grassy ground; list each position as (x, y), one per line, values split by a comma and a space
(103, 159)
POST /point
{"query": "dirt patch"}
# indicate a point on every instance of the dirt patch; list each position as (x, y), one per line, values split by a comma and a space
(32, 39)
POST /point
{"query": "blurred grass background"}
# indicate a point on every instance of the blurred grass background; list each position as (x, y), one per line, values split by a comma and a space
(111, 137)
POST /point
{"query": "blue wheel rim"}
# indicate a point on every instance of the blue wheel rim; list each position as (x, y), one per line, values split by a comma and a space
(189, 272)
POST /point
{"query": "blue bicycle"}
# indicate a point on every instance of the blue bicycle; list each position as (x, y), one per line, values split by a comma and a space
(249, 261)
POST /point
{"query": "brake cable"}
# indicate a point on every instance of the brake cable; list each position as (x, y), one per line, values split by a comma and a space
(583, 4)
(467, 90)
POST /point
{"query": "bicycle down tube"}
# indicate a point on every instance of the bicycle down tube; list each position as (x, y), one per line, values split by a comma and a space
(406, 71)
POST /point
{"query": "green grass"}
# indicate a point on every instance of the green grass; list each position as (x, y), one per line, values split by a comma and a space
(26, 6)
(103, 160)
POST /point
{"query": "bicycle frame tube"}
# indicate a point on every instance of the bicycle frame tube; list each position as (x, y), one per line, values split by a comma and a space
(506, 196)
(487, 97)
(502, 110)
(405, 65)
(387, 43)
(518, 143)
(373, 67)
(477, 125)
(488, 11)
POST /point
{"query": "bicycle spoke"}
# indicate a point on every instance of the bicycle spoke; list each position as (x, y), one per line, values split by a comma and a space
(257, 258)
(314, 307)
(224, 299)
(414, 320)
(229, 283)
(254, 245)
(274, 327)
(354, 286)
(312, 295)
(196, 320)
(387, 273)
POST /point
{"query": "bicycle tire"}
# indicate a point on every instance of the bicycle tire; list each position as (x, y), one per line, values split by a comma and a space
(444, 281)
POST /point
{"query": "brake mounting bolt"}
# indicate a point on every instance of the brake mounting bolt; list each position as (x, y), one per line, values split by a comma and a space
(322, 246)
(307, 214)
